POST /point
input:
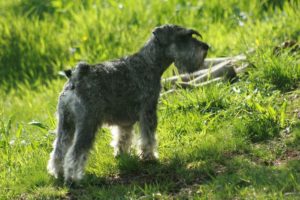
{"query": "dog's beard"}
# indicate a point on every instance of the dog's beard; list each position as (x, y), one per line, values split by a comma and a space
(186, 66)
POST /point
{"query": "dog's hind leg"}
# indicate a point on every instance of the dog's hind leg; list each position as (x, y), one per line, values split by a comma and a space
(74, 163)
(64, 138)
(122, 139)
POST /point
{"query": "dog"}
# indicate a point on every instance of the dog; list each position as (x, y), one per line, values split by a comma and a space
(119, 92)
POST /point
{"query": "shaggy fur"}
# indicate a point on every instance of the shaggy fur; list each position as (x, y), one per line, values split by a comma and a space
(120, 93)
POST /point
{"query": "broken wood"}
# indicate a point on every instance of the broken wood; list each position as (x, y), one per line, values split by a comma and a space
(242, 68)
(199, 84)
(221, 69)
(194, 85)
(184, 77)
(208, 62)
(216, 66)
(218, 69)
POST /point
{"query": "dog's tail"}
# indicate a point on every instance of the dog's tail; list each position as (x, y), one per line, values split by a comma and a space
(68, 73)
(81, 69)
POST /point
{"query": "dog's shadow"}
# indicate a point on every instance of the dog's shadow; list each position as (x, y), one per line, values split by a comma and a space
(175, 176)
(133, 171)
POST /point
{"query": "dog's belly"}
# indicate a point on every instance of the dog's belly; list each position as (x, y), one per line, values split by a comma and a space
(121, 114)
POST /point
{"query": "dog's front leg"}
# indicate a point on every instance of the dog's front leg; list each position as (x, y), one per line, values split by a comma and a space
(148, 124)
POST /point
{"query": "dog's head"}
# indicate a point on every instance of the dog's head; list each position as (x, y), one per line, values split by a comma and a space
(187, 52)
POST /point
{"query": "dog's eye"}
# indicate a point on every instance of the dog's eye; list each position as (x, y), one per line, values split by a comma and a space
(184, 38)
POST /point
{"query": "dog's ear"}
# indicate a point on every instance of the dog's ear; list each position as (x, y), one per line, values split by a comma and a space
(167, 33)
(188, 32)
(68, 73)
(161, 35)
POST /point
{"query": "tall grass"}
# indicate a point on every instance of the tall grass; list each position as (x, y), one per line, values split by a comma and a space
(39, 38)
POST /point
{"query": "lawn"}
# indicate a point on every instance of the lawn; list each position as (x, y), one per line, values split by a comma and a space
(227, 140)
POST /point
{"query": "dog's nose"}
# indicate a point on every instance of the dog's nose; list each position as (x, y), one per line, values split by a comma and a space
(205, 46)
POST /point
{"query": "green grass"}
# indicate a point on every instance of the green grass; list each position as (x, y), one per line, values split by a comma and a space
(223, 141)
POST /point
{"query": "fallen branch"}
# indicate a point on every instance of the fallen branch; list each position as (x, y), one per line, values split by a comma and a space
(221, 69)
(200, 84)
(242, 68)
(217, 70)
(187, 85)
(184, 77)
(208, 62)
(217, 66)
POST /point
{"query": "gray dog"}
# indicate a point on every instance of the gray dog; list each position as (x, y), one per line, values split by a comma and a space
(120, 93)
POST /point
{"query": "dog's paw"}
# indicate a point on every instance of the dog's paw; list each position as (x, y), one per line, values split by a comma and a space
(54, 168)
(148, 156)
